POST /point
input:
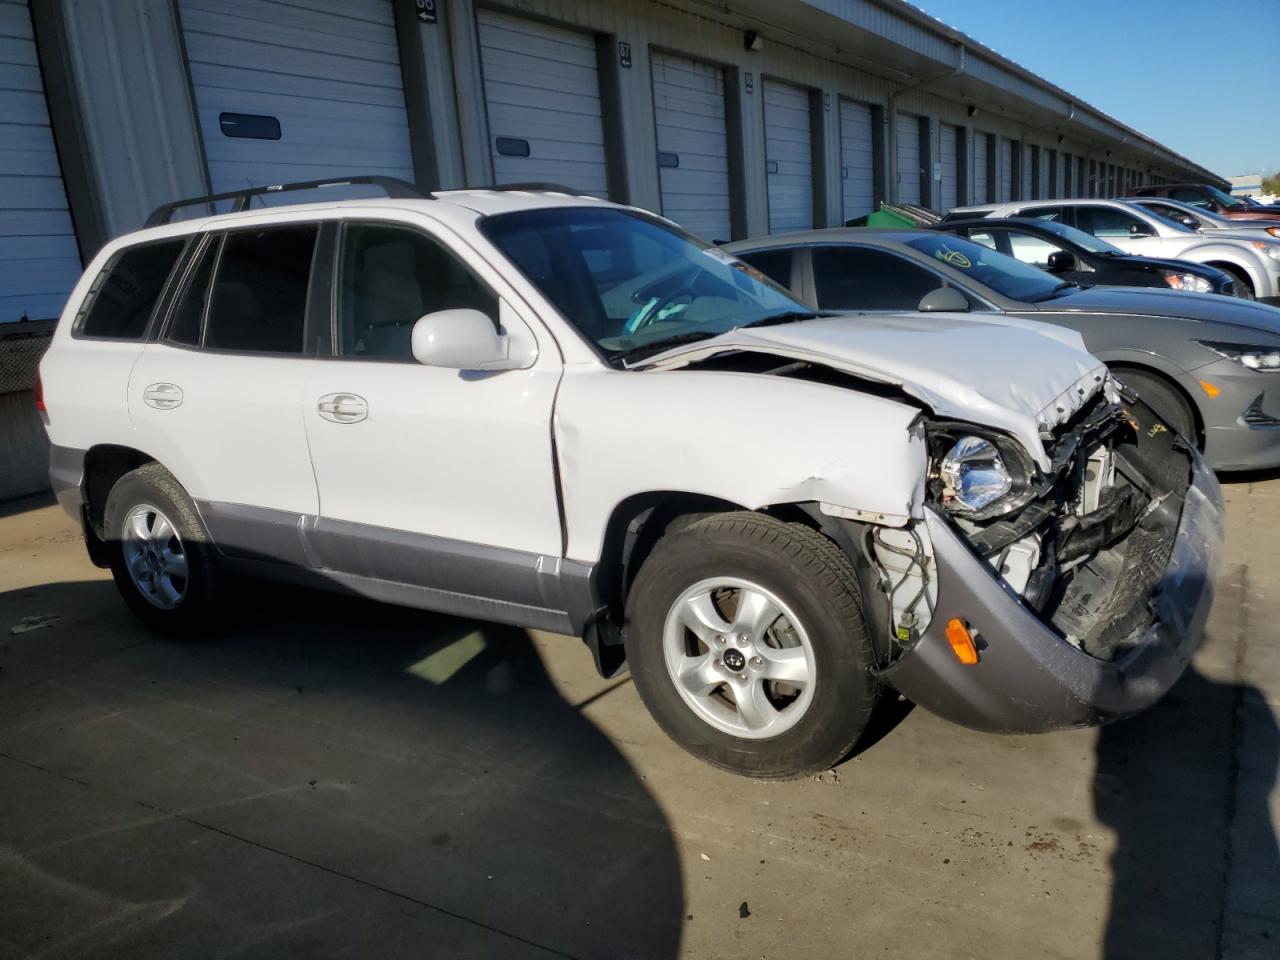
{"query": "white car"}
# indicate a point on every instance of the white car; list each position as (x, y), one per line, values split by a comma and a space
(1252, 259)
(553, 411)
(1206, 221)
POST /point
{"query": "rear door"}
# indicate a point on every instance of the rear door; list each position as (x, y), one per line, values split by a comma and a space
(218, 400)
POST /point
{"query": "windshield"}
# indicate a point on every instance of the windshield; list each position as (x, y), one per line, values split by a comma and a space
(1012, 278)
(1225, 200)
(1080, 238)
(631, 284)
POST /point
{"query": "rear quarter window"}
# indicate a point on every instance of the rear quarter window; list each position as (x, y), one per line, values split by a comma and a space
(125, 295)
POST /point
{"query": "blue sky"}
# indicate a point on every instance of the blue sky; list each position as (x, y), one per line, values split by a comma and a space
(1201, 78)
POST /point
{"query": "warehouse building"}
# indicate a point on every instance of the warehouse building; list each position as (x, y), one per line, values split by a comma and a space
(732, 117)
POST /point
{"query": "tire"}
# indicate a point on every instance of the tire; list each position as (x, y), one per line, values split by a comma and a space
(135, 536)
(813, 589)
(1165, 399)
(1244, 289)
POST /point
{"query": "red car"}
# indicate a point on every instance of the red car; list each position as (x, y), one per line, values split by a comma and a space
(1210, 198)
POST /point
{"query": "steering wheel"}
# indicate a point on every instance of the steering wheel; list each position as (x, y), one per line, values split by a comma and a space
(653, 309)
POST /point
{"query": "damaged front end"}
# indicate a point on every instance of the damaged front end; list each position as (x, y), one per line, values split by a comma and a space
(1082, 587)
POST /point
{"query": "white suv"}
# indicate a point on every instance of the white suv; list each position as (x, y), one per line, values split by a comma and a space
(548, 410)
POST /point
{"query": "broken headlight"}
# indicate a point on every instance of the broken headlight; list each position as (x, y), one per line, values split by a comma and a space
(976, 473)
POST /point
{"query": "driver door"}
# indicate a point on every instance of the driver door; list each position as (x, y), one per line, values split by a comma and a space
(418, 466)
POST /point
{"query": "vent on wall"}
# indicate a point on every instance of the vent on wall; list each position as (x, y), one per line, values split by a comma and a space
(249, 126)
(511, 147)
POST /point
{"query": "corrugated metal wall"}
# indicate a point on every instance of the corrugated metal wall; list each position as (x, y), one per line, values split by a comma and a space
(39, 261)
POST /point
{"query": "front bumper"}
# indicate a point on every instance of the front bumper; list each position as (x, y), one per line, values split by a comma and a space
(1028, 679)
(1241, 423)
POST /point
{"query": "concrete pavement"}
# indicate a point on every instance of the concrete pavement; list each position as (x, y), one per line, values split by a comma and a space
(337, 778)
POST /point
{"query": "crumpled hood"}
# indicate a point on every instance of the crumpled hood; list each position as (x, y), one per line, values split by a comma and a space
(1011, 374)
(1147, 301)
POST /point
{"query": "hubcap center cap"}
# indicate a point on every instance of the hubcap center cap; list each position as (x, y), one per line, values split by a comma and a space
(734, 660)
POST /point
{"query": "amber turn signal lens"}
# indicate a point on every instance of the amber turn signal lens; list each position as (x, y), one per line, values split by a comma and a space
(961, 642)
(1210, 389)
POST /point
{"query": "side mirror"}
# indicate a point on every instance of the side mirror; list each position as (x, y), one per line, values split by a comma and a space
(462, 339)
(944, 300)
(1061, 261)
(1140, 230)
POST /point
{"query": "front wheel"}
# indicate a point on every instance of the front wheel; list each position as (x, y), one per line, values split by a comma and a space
(1243, 288)
(747, 644)
(161, 559)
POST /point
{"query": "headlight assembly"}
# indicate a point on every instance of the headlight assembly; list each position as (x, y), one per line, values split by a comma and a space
(1271, 250)
(977, 474)
(974, 475)
(1263, 359)
(1188, 281)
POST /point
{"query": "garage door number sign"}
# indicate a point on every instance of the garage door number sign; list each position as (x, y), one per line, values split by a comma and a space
(427, 11)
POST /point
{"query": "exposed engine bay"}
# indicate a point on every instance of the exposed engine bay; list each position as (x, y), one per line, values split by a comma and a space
(1083, 544)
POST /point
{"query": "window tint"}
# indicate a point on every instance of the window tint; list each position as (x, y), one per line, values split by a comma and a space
(1052, 214)
(1030, 248)
(126, 294)
(857, 278)
(391, 276)
(1108, 222)
(188, 316)
(259, 299)
(774, 264)
(1193, 197)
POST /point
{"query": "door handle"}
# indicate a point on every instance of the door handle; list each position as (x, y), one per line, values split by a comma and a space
(343, 408)
(162, 396)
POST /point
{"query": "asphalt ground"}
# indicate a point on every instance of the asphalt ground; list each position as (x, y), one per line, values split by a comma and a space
(335, 778)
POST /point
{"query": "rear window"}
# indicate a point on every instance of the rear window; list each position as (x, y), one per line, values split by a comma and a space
(125, 296)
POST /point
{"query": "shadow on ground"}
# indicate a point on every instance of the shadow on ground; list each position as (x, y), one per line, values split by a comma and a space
(339, 779)
(1166, 783)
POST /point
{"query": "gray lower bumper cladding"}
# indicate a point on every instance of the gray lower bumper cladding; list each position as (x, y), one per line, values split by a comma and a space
(1028, 678)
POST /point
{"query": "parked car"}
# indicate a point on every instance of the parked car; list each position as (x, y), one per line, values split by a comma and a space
(1208, 197)
(1198, 218)
(561, 413)
(1074, 255)
(1254, 263)
(1208, 364)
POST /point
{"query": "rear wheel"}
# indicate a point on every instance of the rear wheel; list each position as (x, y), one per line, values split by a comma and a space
(746, 641)
(1165, 399)
(161, 559)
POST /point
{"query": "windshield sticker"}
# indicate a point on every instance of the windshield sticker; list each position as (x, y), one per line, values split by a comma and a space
(955, 258)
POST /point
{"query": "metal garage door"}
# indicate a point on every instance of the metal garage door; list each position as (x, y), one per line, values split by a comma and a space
(39, 262)
(693, 147)
(857, 160)
(907, 128)
(950, 169)
(289, 92)
(980, 150)
(1029, 159)
(788, 150)
(542, 93)
(1006, 170)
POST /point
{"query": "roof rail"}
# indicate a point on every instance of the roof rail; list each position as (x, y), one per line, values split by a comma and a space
(531, 187)
(395, 189)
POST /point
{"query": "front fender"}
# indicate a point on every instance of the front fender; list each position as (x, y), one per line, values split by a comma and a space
(750, 439)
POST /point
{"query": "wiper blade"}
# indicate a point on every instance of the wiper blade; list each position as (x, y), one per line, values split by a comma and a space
(636, 354)
(787, 316)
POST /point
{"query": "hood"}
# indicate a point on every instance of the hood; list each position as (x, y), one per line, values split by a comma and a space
(1014, 375)
(1153, 302)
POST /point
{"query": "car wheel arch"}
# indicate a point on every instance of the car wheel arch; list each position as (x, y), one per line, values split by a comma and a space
(1118, 368)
